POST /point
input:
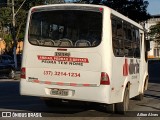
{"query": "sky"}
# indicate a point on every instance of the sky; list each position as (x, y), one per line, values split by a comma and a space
(153, 7)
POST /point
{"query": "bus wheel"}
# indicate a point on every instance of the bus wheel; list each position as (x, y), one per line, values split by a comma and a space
(123, 106)
(141, 95)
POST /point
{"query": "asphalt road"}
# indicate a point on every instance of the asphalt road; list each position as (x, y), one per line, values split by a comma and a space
(12, 101)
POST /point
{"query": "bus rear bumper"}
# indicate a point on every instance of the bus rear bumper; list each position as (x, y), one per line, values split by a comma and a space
(99, 94)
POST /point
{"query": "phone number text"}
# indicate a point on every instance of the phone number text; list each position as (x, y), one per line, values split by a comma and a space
(58, 73)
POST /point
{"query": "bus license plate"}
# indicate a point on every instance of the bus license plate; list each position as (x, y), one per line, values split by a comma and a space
(60, 92)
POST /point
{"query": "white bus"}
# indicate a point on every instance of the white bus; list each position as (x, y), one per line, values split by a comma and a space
(83, 52)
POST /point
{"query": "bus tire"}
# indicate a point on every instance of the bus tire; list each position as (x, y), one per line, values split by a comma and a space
(122, 107)
(141, 95)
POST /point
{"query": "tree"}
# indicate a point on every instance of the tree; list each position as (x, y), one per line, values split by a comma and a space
(154, 32)
(54, 1)
(22, 13)
(5, 21)
(20, 19)
(134, 9)
(31, 3)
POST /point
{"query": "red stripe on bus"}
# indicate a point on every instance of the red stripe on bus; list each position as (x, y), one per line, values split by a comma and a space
(36, 81)
(60, 83)
(73, 84)
(86, 84)
(48, 82)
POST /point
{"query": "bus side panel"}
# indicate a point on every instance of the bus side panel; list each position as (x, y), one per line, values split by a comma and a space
(117, 79)
(127, 71)
(144, 65)
(106, 53)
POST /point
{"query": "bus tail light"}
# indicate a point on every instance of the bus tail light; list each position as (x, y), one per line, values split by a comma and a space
(105, 79)
(101, 9)
(23, 73)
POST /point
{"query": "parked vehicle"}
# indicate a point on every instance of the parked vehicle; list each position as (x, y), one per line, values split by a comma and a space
(19, 60)
(7, 66)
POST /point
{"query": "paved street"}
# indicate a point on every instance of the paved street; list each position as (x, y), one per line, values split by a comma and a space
(10, 100)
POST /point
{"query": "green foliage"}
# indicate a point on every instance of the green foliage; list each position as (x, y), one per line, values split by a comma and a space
(5, 16)
(31, 3)
(8, 41)
(21, 36)
(8, 38)
(20, 18)
(5, 21)
(134, 9)
(155, 32)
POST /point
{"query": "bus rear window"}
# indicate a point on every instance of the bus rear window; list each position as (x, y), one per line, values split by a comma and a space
(65, 28)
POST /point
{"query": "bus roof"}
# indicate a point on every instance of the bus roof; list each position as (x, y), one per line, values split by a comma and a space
(126, 18)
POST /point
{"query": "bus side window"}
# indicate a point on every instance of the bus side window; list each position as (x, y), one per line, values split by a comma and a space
(114, 28)
(117, 34)
(119, 29)
(137, 44)
(128, 41)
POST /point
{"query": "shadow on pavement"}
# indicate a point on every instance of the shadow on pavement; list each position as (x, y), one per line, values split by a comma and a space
(152, 96)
